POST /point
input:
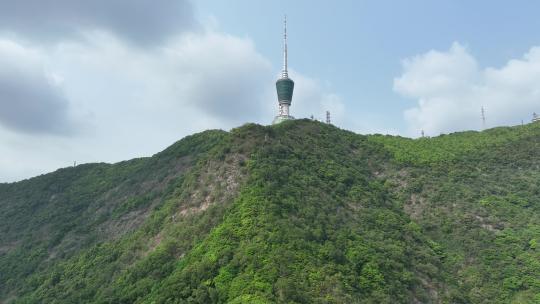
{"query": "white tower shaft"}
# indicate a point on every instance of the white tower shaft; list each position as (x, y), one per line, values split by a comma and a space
(284, 109)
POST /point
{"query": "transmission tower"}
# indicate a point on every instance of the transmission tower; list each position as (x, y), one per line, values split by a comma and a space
(328, 117)
(483, 118)
(536, 118)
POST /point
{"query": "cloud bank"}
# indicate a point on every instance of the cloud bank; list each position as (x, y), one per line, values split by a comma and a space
(132, 101)
(144, 22)
(30, 100)
(451, 89)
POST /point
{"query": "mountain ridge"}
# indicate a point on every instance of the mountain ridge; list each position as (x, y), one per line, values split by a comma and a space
(300, 212)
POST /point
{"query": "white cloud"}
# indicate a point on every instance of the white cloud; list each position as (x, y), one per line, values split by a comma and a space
(220, 74)
(209, 74)
(451, 88)
(312, 97)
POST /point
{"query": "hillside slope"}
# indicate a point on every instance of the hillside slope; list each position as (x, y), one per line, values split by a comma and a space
(300, 212)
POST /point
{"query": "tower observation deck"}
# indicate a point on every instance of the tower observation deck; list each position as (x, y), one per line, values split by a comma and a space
(284, 85)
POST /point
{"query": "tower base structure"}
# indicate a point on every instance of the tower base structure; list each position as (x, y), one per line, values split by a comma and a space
(281, 118)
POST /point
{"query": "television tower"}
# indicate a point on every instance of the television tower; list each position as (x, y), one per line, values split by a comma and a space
(284, 85)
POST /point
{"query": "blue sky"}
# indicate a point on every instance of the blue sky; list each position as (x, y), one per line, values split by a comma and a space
(357, 46)
(101, 80)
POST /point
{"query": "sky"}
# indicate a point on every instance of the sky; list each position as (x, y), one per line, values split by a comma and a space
(106, 81)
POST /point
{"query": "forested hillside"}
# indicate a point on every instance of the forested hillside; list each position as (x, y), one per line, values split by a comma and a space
(300, 212)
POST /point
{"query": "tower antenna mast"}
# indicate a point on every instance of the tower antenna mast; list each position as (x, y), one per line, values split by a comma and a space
(284, 72)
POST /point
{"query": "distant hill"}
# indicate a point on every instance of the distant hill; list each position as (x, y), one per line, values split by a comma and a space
(300, 212)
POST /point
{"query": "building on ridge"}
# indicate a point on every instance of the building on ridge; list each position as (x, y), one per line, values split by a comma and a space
(284, 85)
(536, 118)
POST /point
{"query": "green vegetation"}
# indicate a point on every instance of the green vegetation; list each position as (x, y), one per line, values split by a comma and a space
(451, 147)
(300, 212)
